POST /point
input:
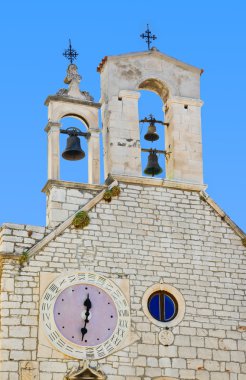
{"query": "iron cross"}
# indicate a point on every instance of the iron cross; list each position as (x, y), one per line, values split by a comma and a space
(148, 37)
(70, 53)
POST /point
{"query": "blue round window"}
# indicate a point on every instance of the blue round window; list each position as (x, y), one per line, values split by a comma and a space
(162, 306)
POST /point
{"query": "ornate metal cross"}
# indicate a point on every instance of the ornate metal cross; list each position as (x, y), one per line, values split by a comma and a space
(70, 53)
(148, 36)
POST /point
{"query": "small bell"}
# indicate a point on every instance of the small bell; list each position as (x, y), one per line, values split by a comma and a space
(73, 151)
(153, 168)
(151, 134)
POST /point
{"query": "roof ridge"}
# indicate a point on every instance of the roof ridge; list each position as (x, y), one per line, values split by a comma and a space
(204, 196)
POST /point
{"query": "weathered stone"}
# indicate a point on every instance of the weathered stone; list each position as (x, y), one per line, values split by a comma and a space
(165, 233)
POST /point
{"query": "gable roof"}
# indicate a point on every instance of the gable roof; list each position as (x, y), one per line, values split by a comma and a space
(157, 53)
(203, 195)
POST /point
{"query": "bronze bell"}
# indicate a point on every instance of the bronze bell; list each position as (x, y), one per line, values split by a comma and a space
(153, 168)
(73, 151)
(151, 134)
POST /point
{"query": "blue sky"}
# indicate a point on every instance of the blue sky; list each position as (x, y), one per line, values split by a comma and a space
(206, 34)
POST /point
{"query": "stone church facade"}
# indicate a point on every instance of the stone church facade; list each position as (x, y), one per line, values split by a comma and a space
(157, 240)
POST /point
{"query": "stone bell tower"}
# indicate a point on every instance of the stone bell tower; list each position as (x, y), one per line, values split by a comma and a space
(79, 105)
(132, 279)
(178, 85)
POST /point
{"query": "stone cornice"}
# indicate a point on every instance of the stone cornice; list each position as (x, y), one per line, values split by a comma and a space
(71, 185)
(161, 183)
(67, 99)
(129, 94)
(55, 125)
(184, 101)
(51, 124)
(165, 57)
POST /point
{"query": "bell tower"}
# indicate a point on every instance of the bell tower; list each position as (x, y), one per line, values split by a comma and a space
(77, 104)
(136, 278)
(178, 85)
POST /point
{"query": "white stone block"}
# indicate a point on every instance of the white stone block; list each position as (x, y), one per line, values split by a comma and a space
(7, 284)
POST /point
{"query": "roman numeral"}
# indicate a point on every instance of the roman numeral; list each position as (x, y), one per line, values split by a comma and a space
(120, 333)
(115, 340)
(89, 353)
(108, 346)
(61, 343)
(81, 276)
(71, 278)
(101, 281)
(100, 352)
(47, 296)
(124, 313)
(53, 288)
(69, 348)
(123, 323)
(62, 282)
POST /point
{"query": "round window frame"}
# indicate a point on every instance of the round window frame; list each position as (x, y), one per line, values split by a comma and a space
(168, 294)
(175, 293)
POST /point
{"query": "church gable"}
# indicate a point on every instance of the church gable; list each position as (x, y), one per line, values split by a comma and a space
(31, 239)
(142, 275)
(145, 235)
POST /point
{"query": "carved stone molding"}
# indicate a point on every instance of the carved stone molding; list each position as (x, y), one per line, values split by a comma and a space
(85, 373)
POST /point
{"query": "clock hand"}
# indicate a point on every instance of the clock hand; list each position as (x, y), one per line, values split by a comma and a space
(88, 306)
(87, 302)
(83, 331)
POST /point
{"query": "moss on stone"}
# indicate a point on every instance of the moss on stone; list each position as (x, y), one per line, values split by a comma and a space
(81, 220)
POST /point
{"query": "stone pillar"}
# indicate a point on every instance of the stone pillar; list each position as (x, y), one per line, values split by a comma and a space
(94, 156)
(53, 130)
(122, 151)
(183, 139)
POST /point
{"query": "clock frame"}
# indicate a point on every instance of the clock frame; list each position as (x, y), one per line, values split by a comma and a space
(51, 330)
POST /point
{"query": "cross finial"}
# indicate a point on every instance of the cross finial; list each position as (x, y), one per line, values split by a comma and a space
(148, 36)
(70, 53)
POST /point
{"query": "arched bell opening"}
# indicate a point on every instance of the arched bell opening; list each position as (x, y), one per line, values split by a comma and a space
(73, 150)
(156, 86)
(151, 106)
(152, 134)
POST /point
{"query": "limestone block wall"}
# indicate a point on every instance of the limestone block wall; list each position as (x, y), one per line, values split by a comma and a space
(17, 238)
(63, 199)
(147, 234)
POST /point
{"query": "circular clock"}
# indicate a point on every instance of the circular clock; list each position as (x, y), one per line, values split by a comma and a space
(85, 315)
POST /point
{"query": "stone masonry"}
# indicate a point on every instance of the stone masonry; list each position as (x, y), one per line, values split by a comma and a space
(147, 234)
(156, 232)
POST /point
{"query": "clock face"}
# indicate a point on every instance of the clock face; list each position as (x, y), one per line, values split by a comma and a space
(70, 314)
(85, 315)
